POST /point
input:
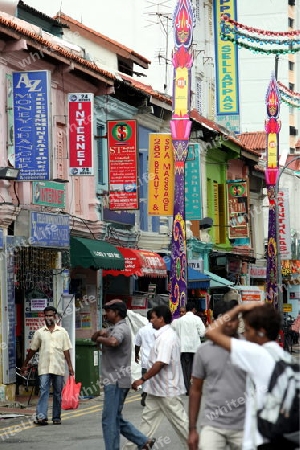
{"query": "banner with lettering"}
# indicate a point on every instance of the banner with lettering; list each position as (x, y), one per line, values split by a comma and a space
(193, 202)
(122, 164)
(284, 227)
(31, 124)
(161, 175)
(81, 138)
(227, 77)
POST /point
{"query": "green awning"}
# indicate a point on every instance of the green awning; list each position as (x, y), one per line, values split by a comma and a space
(97, 254)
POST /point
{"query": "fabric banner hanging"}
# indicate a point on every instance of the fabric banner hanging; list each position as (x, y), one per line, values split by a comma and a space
(161, 175)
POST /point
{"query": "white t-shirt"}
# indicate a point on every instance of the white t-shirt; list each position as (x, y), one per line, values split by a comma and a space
(145, 339)
(259, 364)
(189, 329)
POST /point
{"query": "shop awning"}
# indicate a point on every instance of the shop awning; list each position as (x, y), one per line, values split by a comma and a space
(97, 254)
(142, 263)
(197, 279)
(216, 281)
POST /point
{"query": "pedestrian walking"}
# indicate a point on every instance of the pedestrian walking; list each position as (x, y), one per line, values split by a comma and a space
(255, 355)
(189, 329)
(53, 344)
(163, 380)
(182, 311)
(144, 340)
(116, 378)
(223, 385)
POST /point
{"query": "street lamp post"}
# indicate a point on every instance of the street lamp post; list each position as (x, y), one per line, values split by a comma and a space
(279, 270)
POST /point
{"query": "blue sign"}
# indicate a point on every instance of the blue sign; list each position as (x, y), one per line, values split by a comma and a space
(193, 203)
(31, 109)
(49, 230)
(1, 239)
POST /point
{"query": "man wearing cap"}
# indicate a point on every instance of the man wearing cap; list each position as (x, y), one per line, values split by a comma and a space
(116, 378)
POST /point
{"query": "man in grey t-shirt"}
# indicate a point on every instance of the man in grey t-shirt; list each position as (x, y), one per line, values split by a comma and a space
(116, 378)
(223, 417)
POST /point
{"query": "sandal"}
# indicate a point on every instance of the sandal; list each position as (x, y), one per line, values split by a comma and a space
(56, 422)
(41, 422)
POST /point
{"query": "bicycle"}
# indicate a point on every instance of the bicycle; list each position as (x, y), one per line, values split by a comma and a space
(28, 379)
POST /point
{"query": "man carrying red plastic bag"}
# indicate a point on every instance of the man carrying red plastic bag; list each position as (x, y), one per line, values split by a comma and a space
(70, 394)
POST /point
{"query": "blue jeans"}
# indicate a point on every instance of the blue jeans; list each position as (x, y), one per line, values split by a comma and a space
(113, 423)
(42, 406)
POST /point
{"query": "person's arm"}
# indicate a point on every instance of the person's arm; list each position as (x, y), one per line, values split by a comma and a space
(195, 395)
(149, 374)
(200, 327)
(215, 331)
(137, 353)
(28, 358)
(69, 362)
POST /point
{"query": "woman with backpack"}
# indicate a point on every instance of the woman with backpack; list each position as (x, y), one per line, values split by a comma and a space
(272, 379)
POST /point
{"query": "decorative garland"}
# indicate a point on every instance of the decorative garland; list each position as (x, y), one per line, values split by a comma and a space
(254, 49)
(288, 34)
(278, 38)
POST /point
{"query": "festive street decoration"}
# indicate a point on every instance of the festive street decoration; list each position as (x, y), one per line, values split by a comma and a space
(268, 42)
(183, 23)
(288, 96)
(272, 127)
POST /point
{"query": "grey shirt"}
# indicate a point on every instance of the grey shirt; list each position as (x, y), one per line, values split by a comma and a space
(224, 387)
(116, 361)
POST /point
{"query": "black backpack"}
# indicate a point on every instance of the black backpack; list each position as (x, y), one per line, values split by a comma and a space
(279, 416)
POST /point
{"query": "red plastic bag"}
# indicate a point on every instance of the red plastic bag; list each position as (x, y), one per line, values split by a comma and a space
(70, 394)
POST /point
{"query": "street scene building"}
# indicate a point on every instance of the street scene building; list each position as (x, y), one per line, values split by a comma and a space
(87, 176)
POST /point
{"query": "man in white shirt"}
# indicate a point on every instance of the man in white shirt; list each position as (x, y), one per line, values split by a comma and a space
(163, 381)
(262, 325)
(189, 329)
(144, 339)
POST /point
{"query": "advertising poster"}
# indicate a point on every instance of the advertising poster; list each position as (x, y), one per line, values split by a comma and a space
(122, 164)
(237, 200)
(81, 136)
(161, 175)
(32, 124)
(34, 316)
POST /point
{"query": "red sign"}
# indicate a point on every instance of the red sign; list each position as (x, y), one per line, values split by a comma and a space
(81, 134)
(122, 164)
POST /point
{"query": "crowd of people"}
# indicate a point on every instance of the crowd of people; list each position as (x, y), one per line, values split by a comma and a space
(226, 377)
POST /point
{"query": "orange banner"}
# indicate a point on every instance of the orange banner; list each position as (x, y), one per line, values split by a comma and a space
(161, 175)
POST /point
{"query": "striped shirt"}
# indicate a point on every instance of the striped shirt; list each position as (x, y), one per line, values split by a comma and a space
(169, 380)
(51, 348)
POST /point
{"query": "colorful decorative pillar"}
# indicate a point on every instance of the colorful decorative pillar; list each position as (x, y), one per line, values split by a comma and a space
(183, 23)
(272, 127)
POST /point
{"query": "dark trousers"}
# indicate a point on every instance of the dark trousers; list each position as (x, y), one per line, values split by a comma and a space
(279, 444)
(186, 360)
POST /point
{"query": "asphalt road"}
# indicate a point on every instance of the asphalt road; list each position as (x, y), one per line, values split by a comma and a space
(80, 428)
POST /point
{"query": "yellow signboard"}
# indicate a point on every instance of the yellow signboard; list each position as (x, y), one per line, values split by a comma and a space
(161, 175)
(287, 307)
(226, 62)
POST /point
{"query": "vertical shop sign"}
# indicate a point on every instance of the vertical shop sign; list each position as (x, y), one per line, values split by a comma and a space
(34, 315)
(81, 137)
(237, 200)
(227, 77)
(284, 227)
(122, 164)
(32, 124)
(161, 175)
(193, 205)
